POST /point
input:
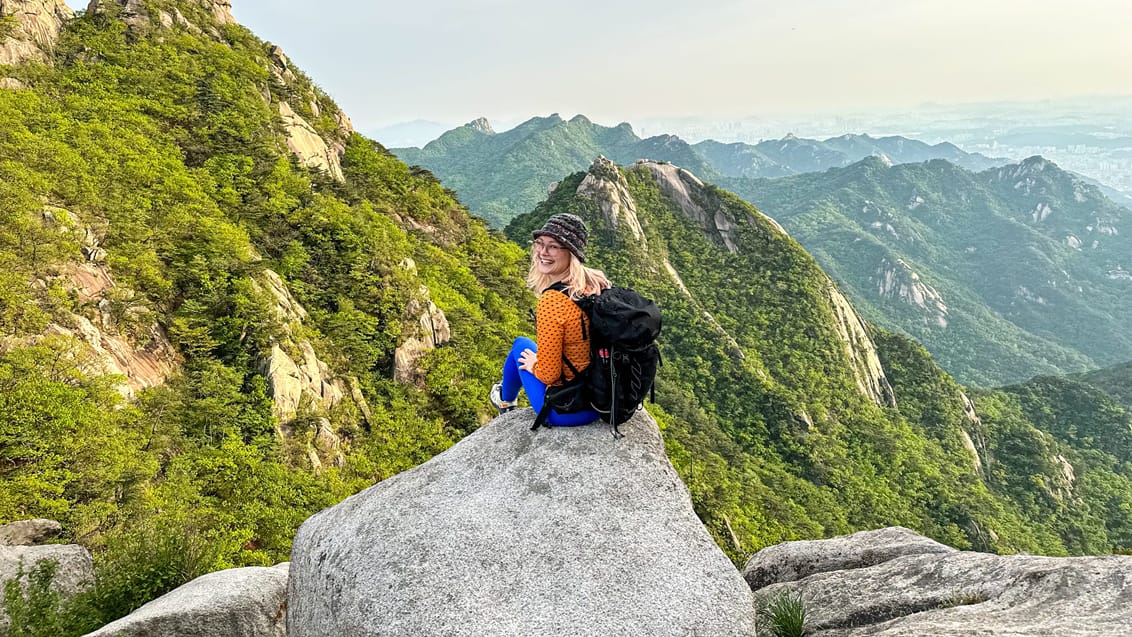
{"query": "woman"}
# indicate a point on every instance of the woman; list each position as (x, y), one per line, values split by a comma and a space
(557, 255)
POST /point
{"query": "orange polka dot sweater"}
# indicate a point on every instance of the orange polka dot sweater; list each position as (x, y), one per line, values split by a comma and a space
(558, 322)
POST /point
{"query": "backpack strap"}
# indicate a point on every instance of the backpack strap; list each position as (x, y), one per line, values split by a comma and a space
(543, 415)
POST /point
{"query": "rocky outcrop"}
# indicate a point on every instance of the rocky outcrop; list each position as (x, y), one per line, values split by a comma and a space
(605, 184)
(679, 186)
(898, 281)
(974, 440)
(296, 376)
(428, 328)
(122, 333)
(859, 347)
(29, 532)
(562, 531)
(221, 10)
(30, 28)
(116, 326)
(919, 589)
(239, 602)
(306, 144)
(792, 561)
(74, 569)
(326, 448)
(293, 383)
(135, 14)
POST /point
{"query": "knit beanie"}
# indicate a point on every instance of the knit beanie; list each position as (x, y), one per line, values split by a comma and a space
(569, 230)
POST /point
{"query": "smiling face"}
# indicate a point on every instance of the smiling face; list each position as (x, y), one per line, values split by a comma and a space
(551, 258)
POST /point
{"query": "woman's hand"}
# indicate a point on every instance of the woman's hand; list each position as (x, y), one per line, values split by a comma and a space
(527, 360)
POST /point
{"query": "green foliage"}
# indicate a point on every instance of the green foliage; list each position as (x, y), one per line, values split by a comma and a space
(782, 614)
(34, 612)
(163, 147)
(8, 25)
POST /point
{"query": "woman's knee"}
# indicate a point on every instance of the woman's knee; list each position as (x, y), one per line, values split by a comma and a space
(521, 343)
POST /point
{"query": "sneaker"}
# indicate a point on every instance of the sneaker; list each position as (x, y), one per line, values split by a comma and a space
(496, 398)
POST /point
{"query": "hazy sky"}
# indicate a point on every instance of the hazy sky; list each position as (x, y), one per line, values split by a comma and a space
(616, 60)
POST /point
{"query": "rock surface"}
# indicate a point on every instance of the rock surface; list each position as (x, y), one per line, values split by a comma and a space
(427, 328)
(306, 144)
(36, 29)
(958, 593)
(898, 281)
(563, 531)
(74, 571)
(867, 369)
(607, 187)
(292, 380)
(29, 532)
(135, 13)
(680, 187)
(135, 347)
(792, 561)
(238, 602)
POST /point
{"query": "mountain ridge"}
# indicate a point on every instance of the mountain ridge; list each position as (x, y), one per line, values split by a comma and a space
(1021, 255)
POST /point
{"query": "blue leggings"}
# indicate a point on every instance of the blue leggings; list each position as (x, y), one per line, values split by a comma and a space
(515, 378)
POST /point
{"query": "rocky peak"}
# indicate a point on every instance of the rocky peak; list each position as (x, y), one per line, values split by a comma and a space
(482, 125)
(685, 190)
(605, 184)
(30, 28)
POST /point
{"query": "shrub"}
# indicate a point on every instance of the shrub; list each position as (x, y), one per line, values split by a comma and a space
(782, 615)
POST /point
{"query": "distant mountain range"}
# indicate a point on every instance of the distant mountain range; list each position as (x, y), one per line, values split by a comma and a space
(794, 155)
(501, 175)
(1003, 274)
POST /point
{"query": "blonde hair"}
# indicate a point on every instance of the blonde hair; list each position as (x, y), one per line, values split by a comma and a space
(580, 281)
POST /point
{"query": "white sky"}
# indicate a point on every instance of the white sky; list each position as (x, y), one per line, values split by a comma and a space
(615, 60)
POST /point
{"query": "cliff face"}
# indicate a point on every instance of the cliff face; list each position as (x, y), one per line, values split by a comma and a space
(29, 29)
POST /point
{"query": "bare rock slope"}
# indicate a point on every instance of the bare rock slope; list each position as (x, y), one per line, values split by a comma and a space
(563, 531)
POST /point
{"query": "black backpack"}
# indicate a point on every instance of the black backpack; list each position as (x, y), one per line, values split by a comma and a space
(621, 327)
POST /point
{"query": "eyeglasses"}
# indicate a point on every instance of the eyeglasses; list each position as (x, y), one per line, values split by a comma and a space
(547, 247)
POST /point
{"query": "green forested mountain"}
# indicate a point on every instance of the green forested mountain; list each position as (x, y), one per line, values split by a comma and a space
(793, 155)
(499, 175)
(1055, 440)
(212, 297)
(788, 417)
(1002, 275)
(1116, 381)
